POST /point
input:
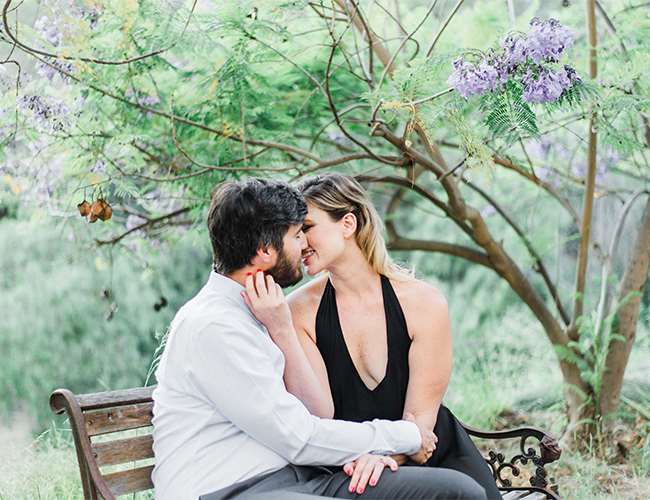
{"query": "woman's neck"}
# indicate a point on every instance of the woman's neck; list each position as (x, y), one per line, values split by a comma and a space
(352, 275)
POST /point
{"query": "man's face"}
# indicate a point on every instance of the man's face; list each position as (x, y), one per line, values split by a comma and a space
(287, 270)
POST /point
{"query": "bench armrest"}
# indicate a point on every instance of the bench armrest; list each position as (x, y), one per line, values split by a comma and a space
(549, 451)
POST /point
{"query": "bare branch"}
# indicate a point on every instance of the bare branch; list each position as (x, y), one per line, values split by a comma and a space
(590, 181)
(539, 182)
(461, 251)
(149, 223)
(444, 25)
(389, 67)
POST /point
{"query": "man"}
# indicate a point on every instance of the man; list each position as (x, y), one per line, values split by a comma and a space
(224, 424)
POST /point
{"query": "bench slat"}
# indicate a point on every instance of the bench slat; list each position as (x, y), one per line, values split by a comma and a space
(118, 419)
(524, 495)
(107, 399)
(130, 481)
(120, 451)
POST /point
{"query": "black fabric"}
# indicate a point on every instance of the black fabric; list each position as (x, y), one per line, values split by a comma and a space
(305, 483)
(354, 401)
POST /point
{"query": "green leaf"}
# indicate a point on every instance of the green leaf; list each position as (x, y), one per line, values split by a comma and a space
(508, 115)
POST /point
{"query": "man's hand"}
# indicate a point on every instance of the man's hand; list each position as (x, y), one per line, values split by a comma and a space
(265, 299)
(367, 469)
(429, 441)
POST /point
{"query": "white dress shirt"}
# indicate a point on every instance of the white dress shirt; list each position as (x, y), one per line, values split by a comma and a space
(222, 413)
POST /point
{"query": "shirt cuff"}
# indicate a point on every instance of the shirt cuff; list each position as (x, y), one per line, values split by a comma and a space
(402, 437)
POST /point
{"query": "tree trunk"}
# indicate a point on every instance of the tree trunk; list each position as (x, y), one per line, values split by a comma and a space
(634, 280)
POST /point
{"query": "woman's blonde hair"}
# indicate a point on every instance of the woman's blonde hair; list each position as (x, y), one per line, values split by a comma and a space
(338, 195)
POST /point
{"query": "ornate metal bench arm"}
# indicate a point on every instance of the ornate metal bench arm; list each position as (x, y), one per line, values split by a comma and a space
(549, 451)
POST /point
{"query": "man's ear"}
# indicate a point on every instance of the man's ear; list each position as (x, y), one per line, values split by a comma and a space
(349, 222)
(265, 257)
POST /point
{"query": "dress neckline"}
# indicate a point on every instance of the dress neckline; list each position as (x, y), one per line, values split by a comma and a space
(383, 280)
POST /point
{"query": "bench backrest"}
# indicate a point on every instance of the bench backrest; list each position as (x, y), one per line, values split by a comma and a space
(110, 463)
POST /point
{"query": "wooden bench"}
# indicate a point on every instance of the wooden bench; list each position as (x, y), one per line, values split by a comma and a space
(99, 422)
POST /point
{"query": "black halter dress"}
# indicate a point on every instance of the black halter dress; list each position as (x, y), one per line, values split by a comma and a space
(355, 402)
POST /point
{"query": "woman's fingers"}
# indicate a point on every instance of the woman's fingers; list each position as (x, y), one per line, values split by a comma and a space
(356, 475)
(349, 468)
(250, 287)
(260, 284)
(367, 471)
(376, 473)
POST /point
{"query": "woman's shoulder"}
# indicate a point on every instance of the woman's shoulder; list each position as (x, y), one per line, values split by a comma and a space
(304, 301)
(419, 293)
(422, 303)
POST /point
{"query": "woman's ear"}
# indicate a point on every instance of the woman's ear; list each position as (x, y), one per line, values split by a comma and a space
(349, 222)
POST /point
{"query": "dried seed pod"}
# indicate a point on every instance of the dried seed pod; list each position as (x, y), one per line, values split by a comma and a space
(97, 208)
(107, 213)
(92, 218)
(84, 208)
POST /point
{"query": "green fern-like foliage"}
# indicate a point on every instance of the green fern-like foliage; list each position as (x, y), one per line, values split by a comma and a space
(508, 115)
(577, 94)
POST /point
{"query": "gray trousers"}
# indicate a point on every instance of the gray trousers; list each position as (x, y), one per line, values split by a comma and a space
(295, 482)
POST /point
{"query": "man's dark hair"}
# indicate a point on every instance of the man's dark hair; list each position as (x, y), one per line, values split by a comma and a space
(247, 215)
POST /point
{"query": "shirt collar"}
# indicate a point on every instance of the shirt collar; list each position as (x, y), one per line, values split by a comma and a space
(223, 283)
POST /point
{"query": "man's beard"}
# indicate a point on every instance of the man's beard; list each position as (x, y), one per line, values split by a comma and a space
(284, 272)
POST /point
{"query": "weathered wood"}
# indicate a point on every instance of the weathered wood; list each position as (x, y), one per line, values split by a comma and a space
(108, 399)
(120, 451)
(119, 418)
(130, 481)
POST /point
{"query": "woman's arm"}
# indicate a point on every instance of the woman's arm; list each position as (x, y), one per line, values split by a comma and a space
(304, 388)
(312, 388)
(430, 355)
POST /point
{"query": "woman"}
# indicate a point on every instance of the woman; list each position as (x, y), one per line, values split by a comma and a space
(378, 339)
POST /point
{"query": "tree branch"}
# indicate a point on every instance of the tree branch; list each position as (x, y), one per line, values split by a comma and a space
(147, 224)
(585, 232)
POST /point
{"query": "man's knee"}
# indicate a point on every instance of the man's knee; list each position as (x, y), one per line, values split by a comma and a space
(434, 483)
(461, 486)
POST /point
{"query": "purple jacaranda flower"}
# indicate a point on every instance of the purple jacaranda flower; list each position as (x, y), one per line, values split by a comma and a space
(547, 39)
(49, 72)
(515, 52)
(470, 79)
(49, 115)
(545, 85)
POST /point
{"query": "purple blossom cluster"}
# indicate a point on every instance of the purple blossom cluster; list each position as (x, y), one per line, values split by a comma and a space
(469, 79)
(525, 58)
(51, 116)
(547, 85)
(547, 39)
(49, 72)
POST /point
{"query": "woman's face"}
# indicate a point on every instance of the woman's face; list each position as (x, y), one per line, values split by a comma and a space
(325, 240)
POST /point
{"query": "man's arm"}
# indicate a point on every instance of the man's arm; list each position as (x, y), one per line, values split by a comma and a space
(240, 374)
